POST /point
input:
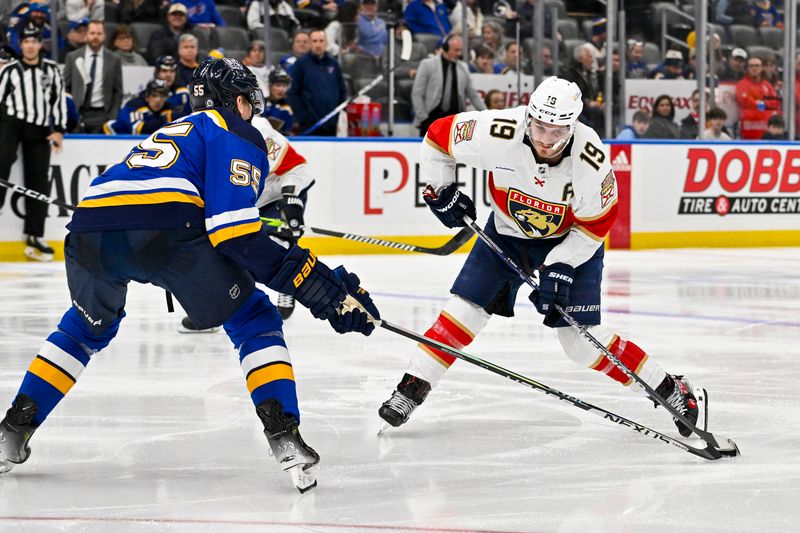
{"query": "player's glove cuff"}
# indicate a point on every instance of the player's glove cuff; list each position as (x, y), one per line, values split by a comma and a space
(310, 281)
(449, 205)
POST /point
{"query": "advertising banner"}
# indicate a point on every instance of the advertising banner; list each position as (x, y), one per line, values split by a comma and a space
(640, 94)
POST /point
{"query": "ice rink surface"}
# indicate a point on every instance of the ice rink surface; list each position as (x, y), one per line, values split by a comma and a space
(159, 433)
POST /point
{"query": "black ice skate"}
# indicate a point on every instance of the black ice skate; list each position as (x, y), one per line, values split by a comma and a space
(37, 249)
(187, 326)
(678, 393)
(16, 430)
(285, 305)
(287, 446)
(410, 393)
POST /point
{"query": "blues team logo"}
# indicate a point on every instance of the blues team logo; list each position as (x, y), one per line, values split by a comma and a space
(536, 218)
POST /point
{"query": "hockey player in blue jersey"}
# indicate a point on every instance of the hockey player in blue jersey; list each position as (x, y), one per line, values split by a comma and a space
(179, 212)
(167, 69)
(144, 114)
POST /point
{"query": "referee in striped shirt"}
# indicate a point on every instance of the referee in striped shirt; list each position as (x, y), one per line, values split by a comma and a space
(33, 112)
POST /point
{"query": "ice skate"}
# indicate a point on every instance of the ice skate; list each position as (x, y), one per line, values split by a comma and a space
(287, 446)
(410, 393)
(15, 432)
(187, 326)
(285, 305)
(678, 393)
(37, 249)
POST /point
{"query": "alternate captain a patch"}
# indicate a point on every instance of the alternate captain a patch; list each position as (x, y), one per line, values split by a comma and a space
(535, 217)
(464, 131)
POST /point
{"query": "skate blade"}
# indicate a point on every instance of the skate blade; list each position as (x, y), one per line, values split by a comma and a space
(701, 394)
(182, 329)
(303, 479)
(6, 466)
(383, 428)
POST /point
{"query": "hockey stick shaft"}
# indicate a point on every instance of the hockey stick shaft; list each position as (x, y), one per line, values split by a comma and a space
(709, 453)
(30, 193)
(457, 241)
(705, 435)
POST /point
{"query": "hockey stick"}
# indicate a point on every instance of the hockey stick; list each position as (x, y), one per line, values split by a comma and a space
(457, 241)
(710, 452)
(405, 55)
(30, 193)
(729, 448)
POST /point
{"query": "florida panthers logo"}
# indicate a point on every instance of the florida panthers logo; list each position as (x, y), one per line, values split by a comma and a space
(535, 217)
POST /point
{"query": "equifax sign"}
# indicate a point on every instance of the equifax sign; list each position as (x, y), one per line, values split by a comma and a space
(765, 181)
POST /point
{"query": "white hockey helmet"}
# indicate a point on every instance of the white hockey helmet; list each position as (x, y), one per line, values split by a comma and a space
(554, 107)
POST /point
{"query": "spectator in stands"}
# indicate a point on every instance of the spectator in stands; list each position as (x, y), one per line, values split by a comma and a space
(372, 33)
(301, 44)
(129, 11)
(76, 38)
(144, 114)
(720, 17)
(739, 12)
(124, 45)
(671, 68)
(342, 31)
(317, 87)
(765, 14)
(771, 73)
(509, 64)
(598, 42)
(203, 13)
(662, 122)
(276, 106)
(326, 10)
(495, 99)
(167, 69)
(776, 129)
(442, 86)
(427, 16)
(637, 130)
(715, 129)
(79, 9)
(474, 18)
(93, 76)
(525, 14)
(255, 61)
(484, 61)
(187, 58)
(582, 72)
(635, 66)
(547, 62)
(757, 101)
(24, 15)
(281, 15)
(690, 125)
(492, 34)
(734, 71)
(164, 41)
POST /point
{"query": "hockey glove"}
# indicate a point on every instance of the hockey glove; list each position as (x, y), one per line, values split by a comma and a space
(311, 282)
(450, 205)
(291, 209)
(355, 318)
(554, 286)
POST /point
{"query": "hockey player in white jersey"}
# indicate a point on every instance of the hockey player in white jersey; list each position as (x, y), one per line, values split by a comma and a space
(284, 198)
(554, 199)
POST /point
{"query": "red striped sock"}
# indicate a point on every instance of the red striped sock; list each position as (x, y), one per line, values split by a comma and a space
(628, 353)
(448, 331)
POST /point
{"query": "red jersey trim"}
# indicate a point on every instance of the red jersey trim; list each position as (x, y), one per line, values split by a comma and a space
(290, 160)
(440, 134)
(598, 227)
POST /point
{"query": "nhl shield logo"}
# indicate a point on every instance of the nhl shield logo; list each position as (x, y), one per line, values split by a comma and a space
(535, 217)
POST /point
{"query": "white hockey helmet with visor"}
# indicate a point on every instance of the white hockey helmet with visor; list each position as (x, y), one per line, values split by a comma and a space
(553, 111)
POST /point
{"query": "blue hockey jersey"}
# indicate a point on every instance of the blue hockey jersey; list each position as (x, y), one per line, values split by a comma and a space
(137, 118)
(203, 170)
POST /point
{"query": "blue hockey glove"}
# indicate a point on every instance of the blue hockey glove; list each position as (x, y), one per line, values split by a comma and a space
(554, 286)
(450, 205)
(311, 282)
(354, 319)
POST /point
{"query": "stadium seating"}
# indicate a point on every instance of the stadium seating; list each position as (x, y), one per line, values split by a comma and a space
(231, 15)
(141, 32)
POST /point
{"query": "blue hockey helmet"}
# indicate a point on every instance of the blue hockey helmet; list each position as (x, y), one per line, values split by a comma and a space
(217, 83)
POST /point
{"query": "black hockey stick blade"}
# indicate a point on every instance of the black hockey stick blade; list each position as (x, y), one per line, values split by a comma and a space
(457, 241)
(710, 453)
(728, 448)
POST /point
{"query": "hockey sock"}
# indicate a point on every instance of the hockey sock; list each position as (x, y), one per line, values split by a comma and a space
(632, 356)
(255, 330)
(456, 326)
(61, 360)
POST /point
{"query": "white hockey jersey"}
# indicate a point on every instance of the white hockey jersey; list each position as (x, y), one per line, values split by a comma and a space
(530, 199)
(286, 166)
